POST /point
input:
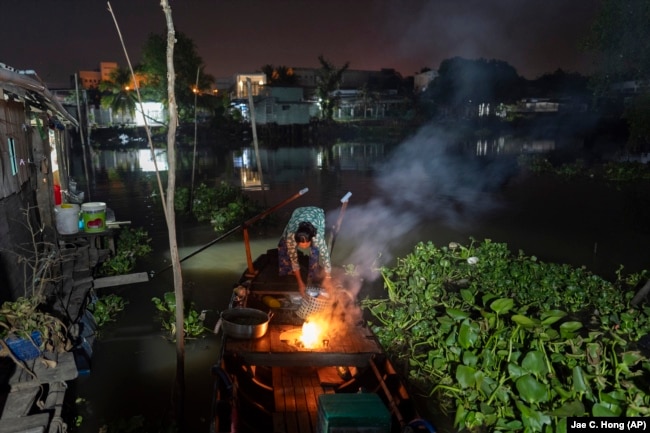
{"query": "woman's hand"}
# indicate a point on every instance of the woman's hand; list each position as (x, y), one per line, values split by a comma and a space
(302, 289)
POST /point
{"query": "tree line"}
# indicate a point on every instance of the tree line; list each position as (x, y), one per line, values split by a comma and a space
(614, 38)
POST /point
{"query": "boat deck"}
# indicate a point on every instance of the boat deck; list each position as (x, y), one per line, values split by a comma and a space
(295, 392)
(279, 381)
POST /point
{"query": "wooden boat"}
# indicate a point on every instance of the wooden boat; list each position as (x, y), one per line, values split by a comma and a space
(281, 382)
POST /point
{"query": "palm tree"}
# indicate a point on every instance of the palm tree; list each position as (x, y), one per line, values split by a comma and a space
(268, 70)
(117, 93)
(279, 75)
(328, 80)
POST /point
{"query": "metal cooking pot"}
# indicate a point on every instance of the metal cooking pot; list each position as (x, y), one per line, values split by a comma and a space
(244, 322)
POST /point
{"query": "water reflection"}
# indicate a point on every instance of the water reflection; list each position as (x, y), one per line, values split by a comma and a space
(290, 164)
(509, 145)
(249, 175)
(133, 160)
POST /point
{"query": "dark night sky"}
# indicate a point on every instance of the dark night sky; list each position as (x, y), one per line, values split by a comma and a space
(57, 38)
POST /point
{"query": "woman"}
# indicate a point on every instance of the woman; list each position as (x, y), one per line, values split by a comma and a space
(306, 231)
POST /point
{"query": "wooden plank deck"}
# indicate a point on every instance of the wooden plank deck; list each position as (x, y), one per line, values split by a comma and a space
(296, 391)
(65, 371)
(19, 402)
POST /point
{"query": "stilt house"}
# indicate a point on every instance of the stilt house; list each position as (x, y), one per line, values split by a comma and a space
(35, 134)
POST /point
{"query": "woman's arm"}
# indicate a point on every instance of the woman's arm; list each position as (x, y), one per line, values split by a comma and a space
(292, 251)
(324, 253)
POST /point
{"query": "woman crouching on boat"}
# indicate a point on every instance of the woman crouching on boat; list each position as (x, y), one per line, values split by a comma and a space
(305, 231)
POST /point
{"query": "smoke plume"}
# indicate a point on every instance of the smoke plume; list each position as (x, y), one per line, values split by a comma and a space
(427, 179)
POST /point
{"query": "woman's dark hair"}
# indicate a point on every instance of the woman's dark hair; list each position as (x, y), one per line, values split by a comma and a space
(306, 231)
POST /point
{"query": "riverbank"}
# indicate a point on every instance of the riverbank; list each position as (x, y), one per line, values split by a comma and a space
(594, 132)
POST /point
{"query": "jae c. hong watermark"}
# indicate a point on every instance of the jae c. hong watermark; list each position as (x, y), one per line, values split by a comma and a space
(607, 424)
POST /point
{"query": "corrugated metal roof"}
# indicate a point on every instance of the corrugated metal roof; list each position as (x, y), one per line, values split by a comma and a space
(28, 87)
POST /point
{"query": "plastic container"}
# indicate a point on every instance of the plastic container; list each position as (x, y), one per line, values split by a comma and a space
(67, 218)
(57, 194)
(94, 217)
(352, 412)
(23, 348)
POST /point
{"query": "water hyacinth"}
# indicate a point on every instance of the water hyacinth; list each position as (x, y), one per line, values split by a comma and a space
(513, 344)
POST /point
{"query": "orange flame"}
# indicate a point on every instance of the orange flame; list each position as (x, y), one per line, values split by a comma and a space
(311, 334)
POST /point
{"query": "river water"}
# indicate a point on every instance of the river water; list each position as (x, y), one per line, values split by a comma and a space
(418, 190)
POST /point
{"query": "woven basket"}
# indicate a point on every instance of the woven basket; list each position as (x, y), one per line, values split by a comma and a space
(311, 305)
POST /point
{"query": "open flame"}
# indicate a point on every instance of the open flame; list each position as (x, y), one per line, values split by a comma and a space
(311, 334)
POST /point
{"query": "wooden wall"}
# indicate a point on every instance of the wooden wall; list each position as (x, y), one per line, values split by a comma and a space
(25, 186)
(14, 163)
(14, 240)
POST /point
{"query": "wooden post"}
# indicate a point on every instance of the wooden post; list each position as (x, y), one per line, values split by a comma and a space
(251, 109)
(83, 141)
(337, 227)
(249, 257)
(196, 92)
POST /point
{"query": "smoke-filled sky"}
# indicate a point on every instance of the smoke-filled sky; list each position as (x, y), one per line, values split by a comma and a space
(59, 38)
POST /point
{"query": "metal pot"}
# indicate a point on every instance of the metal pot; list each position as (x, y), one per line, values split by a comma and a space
(244, 322)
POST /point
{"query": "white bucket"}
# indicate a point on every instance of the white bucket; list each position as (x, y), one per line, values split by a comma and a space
(67, 218)
(94, 216)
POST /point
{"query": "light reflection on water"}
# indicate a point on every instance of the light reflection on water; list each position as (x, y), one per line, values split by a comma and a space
(420, 195)
(514, 146)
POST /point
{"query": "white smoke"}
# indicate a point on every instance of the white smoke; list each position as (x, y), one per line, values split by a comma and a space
(425, 180)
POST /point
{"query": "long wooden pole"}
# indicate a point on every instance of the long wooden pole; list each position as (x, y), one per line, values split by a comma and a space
(144, 118)
(81, 134)
(196, 92)
(239, 227)
(251, 109)
(389, 396)
(335, 230)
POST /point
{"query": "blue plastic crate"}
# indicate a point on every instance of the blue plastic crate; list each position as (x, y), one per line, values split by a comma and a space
(23, 348)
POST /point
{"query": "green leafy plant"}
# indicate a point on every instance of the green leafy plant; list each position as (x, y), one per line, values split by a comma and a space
(351, 269)
(106, 308)
(224, 206)
(506, 342)
(23, 316)
(193, 322)
(614, 172)
(131, 244)
(182, 200)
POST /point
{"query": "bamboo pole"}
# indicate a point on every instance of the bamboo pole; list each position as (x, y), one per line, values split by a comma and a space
(240, 226)
(144, 118)
(335, 230)
(196, 92)
(81, 134)
(251, 109)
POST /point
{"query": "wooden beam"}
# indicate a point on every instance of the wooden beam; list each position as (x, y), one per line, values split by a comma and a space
(19, 402)
(120, 280)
